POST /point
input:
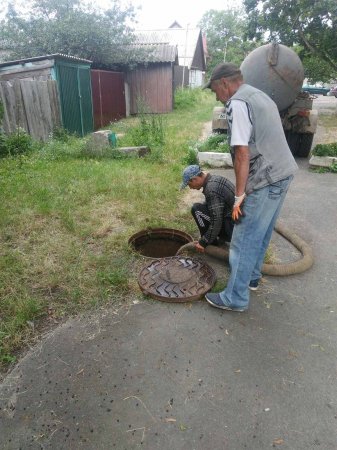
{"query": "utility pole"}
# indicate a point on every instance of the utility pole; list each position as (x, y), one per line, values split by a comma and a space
(183, 80)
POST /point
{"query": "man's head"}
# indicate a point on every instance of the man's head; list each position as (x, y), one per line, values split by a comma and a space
(225, 81)
(193, 177)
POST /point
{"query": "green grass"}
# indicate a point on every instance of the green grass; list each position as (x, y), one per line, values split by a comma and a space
(325, 149)
(215, 143)
(66, 216)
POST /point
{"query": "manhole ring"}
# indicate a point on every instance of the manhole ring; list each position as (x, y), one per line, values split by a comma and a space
(176, 279)
(159, 242)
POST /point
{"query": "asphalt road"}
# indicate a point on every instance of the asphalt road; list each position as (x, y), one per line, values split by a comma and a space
(325, 104)
(190, 377)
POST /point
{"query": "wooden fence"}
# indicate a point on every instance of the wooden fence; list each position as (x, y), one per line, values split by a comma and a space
(32, 105)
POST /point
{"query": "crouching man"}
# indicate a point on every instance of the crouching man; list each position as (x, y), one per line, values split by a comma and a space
(214, 216)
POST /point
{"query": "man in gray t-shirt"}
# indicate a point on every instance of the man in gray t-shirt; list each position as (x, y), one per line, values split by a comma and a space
(264, 167)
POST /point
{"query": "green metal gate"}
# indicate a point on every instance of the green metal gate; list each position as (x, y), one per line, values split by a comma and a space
(75, 96)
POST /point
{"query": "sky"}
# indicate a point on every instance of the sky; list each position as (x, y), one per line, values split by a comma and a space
(161, 14)
(157, 14)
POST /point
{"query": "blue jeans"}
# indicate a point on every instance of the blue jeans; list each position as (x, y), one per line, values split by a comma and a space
(250, 240)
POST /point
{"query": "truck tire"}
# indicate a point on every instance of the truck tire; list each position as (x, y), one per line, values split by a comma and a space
(299, 143)
(305, 145)
(293, 140)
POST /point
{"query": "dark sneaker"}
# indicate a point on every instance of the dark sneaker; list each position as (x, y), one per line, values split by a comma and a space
(215, 300)
(253, 285)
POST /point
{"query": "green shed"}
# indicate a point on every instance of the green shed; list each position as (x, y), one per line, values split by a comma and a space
(74, 83)
(73, 79)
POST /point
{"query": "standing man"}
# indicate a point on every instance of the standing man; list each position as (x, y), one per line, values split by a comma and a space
(214, 217)
(263, 167)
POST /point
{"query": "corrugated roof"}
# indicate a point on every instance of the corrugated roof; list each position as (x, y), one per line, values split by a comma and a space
(40, 58)
(139, 53)
(186, 40)
(158, 52)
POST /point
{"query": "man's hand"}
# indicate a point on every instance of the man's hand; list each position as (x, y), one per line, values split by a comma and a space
(237, 212)
(199, 248)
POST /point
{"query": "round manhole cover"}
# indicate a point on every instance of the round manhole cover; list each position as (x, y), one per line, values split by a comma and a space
(176, 279)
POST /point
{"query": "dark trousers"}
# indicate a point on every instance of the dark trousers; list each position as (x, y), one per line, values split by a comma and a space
(202, 218)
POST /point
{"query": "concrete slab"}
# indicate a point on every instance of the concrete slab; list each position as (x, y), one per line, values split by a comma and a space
(215, 159)
(322, 161)
(191, 377)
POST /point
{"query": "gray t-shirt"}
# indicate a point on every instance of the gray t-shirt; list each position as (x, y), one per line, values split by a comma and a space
(270, 157)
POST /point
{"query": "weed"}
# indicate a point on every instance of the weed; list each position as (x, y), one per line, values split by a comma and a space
(114, 278)
(219, 286)
(325, 149)
(186, 98)
(17, 143)
(23, 313)
(61, 134)
(191, 157)
(3, 148)
(149, 131)
(331, 169)
(215, 143)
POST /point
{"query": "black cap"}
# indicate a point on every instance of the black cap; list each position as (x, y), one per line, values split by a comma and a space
(223, 70)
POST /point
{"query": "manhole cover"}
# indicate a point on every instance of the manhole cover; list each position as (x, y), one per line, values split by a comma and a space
(176, 279)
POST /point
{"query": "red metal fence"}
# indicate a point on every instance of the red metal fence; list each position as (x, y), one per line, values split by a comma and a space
(108, 96)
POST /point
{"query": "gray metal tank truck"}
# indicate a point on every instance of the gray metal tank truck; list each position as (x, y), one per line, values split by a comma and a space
(277, 70)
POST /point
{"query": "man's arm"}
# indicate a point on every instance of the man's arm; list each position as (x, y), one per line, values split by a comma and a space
(241, 168)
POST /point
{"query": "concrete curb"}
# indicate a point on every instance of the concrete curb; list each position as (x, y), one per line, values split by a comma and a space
(214, 159)
(322, 161)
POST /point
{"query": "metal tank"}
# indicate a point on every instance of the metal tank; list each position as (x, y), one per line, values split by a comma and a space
(276, 70)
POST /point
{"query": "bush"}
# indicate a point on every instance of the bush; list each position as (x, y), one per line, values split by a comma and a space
(215, 143)
(17, 143)
(3, 148)
(150, 131)
(61, 134)
(191, 157)
(333, 168)
(185, 98)
(325, 149)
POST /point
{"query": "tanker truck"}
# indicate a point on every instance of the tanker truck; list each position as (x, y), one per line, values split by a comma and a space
(278, 71)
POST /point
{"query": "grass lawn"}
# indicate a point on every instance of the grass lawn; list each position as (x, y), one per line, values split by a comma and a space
(66, 216)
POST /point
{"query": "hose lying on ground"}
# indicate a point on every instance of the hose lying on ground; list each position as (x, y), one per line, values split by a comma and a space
(290, 268)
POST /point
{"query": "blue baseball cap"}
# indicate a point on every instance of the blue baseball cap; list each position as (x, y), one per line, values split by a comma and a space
(188, 173)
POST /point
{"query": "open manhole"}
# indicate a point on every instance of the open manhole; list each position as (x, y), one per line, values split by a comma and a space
(176, 279)
(159, 242)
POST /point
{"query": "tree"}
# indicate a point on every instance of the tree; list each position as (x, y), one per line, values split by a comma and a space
(225, 34)
(70, 27)
(310, 23)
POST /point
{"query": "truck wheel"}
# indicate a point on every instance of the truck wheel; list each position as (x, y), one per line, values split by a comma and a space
(294, 141)
(305, 145)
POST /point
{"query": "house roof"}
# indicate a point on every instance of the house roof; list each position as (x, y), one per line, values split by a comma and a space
(40, 58)
(175, 24)
(157, 53)
(186, 40)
